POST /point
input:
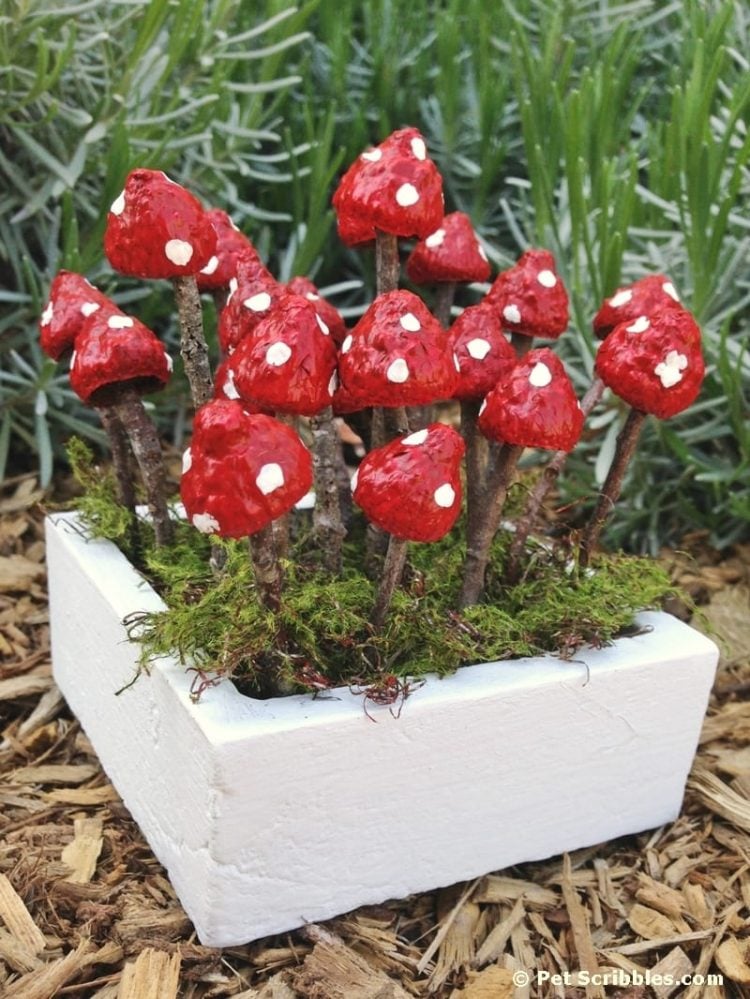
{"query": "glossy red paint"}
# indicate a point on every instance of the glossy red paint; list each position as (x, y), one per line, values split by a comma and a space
(655, 364)
(451, 253)
(393, 188)
(242, 470)
(253, 293)
(288, 363)
(534, 406)
(72, 300)
(642, 298)
(327, 312)
(397, 355)
(232, 246)
(157, 229)
(484, 354)
(114, 350)
(530, 297)
(411, 488)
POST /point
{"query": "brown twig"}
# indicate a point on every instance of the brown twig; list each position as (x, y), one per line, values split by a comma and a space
(192, 340)
(446, 292)
(610, 492)
(267, 568)
(393, 570)
(476, 462)
(328, 525)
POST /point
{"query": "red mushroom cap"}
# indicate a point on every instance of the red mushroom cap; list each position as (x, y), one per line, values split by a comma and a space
(72, 299)
(242, 470)
(451, 253)
(253, 295)
(411, 488)
(655, 364)
(534, 406)
(224, 387)
(392, 188)
(650, 294)
(288, 363)
(327, 312)
(232, 246)
(484, 355)
(157, 229)
(397, 355)
(113, 350)
(530, 297)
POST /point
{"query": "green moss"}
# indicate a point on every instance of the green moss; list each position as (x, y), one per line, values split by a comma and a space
(101, 513)
(322, 635)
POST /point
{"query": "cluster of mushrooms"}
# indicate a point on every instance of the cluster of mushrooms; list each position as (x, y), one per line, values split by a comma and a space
(288, 357)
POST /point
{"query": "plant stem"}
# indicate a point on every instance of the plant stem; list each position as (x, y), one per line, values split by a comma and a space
(387, 267)
(480, 541)
(192, 342)
(446, 292)
(610, 492)
(328, 526)
(521, 343)
(147, 450)
(393, 570)
(525, 523)
(476, 461)
(267, 568)
(220, 296)
(120, 450)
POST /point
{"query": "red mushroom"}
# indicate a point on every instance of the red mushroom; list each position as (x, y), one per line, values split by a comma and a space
(531, 299)
(253, 293)
(157, 229)
(655, 364)
(327, 312)
(533, 406)
(288, 364)
(241, 472)
(642, 298)
(232, 246)
(410, 488)
(450, 255)
(117, 360)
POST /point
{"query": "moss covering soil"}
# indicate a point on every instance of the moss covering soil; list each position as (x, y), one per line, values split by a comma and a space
(322, 636)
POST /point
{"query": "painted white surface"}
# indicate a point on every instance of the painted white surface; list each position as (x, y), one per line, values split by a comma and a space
(270, 813)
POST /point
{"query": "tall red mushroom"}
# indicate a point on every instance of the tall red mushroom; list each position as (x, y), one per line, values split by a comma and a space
(655, 364)
(531, 299)
(533, 406)
(116, 361)
(157, 229)
(241, 472)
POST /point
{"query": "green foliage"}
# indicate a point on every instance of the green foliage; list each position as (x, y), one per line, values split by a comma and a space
(100, 511)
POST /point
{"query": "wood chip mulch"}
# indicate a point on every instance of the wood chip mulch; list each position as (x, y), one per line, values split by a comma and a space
(87, 911)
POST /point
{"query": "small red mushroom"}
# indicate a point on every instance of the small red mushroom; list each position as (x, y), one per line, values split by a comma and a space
(450, 255)
(533, 406)
(327, 312)
(531, 299)
(410, 488)
(232, 246)
(117, 360)
(397, 355)
(655, 364)
(642, 298)
(72, 299)
(241, 472)
(484, 355)
(392, 188)
(253, 293)
(157, 229)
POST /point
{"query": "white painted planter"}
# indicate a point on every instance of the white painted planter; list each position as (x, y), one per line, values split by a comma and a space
(271, 813)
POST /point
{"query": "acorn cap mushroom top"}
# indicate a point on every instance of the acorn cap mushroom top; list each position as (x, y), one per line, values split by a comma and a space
(534, 406)
(157, 229)
(531, 297)
(242, 471)
(113, 351)
(253, 293)
(655, 364)
(645, 296)
(451, 253)
(232, 246)
(288, 362)
(393, 188)
(411, 488)
(397, 355)
(327, 312)
(72, 299)
(484, 354)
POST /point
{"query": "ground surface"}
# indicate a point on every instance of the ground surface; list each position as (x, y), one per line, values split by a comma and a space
(87, 911)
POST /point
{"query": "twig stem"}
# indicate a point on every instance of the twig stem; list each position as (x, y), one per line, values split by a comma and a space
(267, 568)
(446, 292)
(192, 341)
(393, 570)
(328, 525)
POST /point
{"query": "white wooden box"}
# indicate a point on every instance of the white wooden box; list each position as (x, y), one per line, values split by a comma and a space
(271, 813)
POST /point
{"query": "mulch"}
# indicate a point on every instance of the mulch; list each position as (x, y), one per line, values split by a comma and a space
(87, 911)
